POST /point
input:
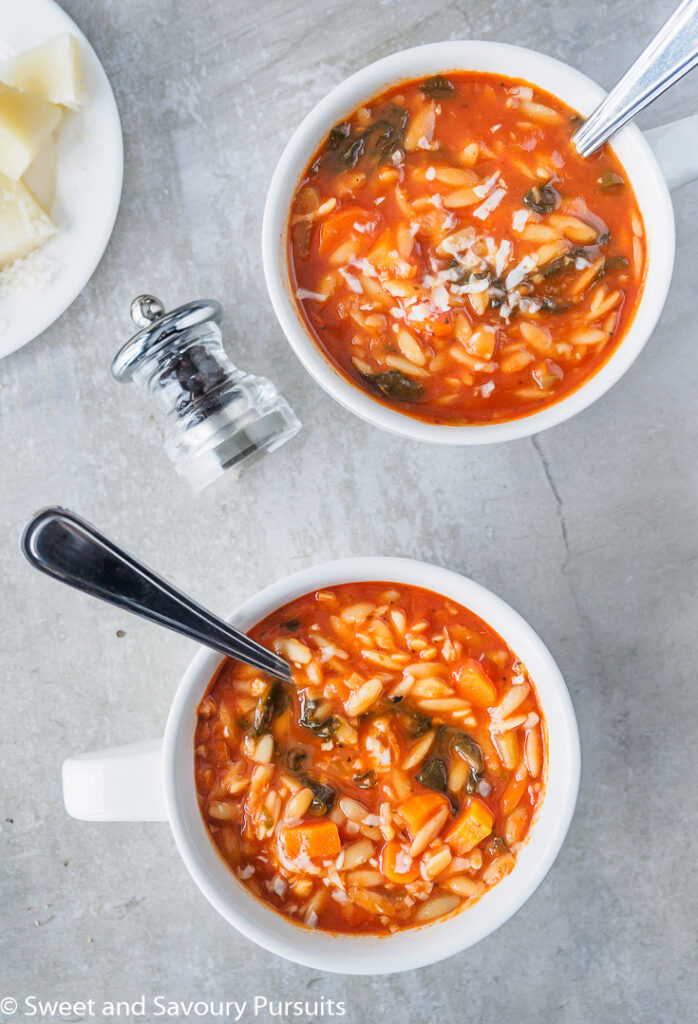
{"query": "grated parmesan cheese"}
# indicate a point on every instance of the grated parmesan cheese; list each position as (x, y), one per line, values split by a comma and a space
(519, 272)
(487, 185)
(483, 211)
(363, 266)
(502, 256)
(474, 286)
(304, 293)
(439, 297)
(519, 219)
(351, 281)
(419, 312)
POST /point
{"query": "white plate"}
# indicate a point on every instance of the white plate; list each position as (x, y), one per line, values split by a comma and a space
(90, 173)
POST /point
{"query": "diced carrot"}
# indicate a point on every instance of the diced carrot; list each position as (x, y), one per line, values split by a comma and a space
(482, 343)
(470, 827)
(339, 227)
(514, 791)
(397, 865)
(475, 685)
(387, 260)
(314, 839)
(418, 809)
(439, 324)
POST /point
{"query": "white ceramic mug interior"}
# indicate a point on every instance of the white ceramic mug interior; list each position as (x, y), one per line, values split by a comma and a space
(573, 88)
(127, 783)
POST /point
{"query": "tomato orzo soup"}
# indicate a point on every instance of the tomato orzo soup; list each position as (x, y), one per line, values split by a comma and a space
(453, 255)
(393, 781)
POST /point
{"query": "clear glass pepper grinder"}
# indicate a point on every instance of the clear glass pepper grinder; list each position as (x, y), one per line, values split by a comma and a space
(218, 417)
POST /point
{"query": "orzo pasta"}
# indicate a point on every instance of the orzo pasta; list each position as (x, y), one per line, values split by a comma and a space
(393, 781)
(456, 258)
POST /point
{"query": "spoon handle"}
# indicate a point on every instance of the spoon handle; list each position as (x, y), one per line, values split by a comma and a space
(668, 57)
(64, 546)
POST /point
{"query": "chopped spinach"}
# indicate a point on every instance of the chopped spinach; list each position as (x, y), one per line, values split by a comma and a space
(495, 845)
(390, 131)
(614, 263)
(324, 728)
(417, 724)
(555, 305)
(383, 138)
(367, 780)
(497, 293)
(262, 715)
(433, 775)
(323, 796)
(272, 703)
(354, 151)
(438, 87)
(542, 198)
(338, 134)
(609, 180)
(294, 758)
(394, 385)
(469, 750)
(557, 266)
(567, 261)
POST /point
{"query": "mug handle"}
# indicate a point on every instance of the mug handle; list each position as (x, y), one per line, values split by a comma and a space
(118, 784)
(675, 146)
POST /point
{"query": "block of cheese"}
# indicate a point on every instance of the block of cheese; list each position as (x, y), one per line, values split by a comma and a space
(40, 175)
(26, 123)
(52, 70)
(23, 224)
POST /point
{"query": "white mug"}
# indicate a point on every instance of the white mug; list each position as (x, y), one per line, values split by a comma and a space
(154, 781)
(663, 159)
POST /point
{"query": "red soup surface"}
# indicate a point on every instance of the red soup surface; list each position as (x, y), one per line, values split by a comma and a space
(454, 257)
(393, 781)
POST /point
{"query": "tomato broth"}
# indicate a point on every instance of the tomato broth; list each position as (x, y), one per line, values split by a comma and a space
(393, 781)
(455, 258)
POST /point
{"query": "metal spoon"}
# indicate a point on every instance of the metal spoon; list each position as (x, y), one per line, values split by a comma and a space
(64, 546)
(669, 56)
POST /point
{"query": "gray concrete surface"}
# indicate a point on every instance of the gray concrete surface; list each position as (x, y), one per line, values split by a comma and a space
(589, 530)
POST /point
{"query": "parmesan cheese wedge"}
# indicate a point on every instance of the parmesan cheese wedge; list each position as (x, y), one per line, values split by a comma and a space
(23, 224)
(40, 175)
(52, 70)
(26, 123)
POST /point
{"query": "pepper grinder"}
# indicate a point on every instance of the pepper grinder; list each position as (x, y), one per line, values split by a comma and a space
(219, 418)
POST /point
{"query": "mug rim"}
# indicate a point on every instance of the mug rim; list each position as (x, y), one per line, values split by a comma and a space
(406, 949)
(629, 145)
